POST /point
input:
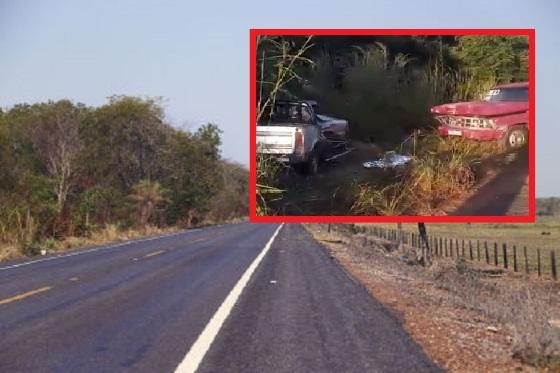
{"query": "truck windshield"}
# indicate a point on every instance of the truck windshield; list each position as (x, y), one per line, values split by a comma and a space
(507, 94)
(291, 113)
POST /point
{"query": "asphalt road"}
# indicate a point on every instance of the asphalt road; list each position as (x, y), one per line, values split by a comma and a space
(142, 305)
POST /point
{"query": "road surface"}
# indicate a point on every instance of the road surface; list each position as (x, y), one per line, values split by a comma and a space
(176, 302)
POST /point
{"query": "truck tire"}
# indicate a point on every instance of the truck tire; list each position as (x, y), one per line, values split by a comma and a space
(516, 138)
(309, 167)
(312, 165)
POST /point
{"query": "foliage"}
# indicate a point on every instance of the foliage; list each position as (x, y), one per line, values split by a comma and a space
(67, 169)
(268, 170)
(443, 168)
(501, 58)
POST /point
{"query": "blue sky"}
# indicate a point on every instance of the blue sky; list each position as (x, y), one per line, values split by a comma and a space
(195, 54)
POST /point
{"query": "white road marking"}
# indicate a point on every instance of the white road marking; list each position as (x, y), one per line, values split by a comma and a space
(192, 359)
(94, 250)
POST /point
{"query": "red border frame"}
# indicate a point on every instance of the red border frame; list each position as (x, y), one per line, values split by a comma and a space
(530, 218)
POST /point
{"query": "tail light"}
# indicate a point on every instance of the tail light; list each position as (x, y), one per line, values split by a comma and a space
(298, 145)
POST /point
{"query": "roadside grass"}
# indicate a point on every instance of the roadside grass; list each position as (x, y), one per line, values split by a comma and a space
(268, 192)
(108, 234)
(543, 234)
(442, 169)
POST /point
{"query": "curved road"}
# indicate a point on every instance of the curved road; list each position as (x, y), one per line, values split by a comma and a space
(140, 306)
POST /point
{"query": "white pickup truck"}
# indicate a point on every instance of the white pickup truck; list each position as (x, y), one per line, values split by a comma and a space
(294, 134)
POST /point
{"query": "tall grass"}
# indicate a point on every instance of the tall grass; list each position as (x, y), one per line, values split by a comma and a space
(268, 170)
(386, 97)
(442, 169)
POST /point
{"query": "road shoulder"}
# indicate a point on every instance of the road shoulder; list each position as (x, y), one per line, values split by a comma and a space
(456, 338)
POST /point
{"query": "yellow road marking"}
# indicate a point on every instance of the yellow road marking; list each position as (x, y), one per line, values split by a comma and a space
(154, 253)
(74, 278)
(24, 295)
(198, 240)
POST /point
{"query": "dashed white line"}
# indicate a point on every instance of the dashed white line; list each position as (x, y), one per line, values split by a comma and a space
(192, 359)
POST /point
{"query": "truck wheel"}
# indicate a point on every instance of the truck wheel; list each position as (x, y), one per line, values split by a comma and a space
(312, 165)
(516, 138)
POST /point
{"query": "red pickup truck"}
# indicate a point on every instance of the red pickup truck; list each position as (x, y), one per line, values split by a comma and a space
(502, 115)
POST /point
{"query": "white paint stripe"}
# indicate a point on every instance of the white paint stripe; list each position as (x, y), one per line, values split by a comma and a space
(95, 249)
(195, 355)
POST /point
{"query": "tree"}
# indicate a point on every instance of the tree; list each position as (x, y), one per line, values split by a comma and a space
(501, 58)
(56, 135)
(123, 141)
(147, 195)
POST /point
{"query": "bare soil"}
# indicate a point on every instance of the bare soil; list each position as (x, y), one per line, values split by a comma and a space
(466, 318)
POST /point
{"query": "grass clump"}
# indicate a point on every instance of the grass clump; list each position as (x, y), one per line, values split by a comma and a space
(268, 170)
(442, 169)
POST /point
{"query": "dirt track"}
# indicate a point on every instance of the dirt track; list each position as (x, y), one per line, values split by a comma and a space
(503, 192)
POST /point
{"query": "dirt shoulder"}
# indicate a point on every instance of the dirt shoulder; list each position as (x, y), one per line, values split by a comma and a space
(466, 322)
(502, 191)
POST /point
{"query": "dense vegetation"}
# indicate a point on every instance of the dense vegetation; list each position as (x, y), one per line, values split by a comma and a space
(67, 169)
(385, 85)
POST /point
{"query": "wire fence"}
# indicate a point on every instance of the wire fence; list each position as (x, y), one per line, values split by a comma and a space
(499, 254)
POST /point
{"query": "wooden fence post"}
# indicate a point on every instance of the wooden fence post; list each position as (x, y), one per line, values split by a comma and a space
(451, 247)
(526, 259)
(431, 243)
(445, 243)
(470, 250)
(553, 264)
(496, 254)
(478, 250)
(457, 247)
(486, 252)
(463, 247)
(514, 258)
(539, 261)
(504, 249)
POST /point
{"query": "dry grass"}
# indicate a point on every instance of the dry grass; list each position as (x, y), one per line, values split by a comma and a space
(267, 171)
(9, 251)
(442, 169)
(108, 234)
(543, 234)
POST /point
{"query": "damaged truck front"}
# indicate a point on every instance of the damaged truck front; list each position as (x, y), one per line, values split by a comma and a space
(502, 115)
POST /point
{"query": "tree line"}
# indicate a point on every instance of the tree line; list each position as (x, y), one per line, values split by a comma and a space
(67, 169)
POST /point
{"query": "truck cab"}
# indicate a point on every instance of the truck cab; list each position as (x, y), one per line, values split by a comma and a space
(290, 132)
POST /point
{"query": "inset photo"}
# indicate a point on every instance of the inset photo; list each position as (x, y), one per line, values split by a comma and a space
(392, 125)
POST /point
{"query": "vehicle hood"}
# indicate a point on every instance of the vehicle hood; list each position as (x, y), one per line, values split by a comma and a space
(481, 108)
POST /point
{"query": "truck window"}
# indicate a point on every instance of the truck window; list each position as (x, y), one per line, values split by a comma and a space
(520, 94)
(291, 113)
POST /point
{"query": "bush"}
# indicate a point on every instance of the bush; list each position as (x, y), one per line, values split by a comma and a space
(442, 169)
